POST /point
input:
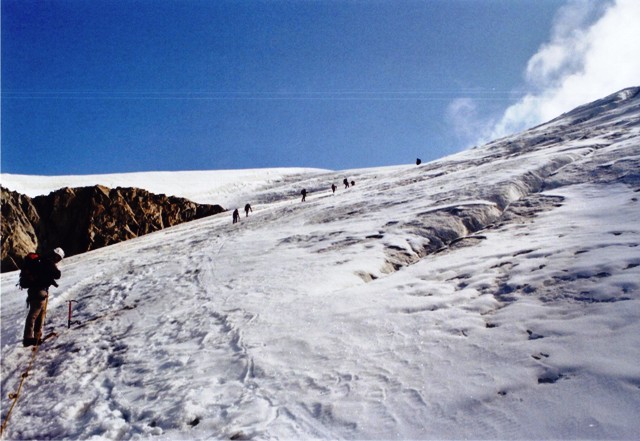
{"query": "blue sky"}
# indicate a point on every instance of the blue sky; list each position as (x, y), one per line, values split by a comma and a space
(139, 85)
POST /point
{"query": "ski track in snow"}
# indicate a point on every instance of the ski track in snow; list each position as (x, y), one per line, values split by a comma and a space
(489, 295)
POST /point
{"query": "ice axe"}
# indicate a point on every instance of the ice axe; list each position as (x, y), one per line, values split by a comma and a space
(70, 302)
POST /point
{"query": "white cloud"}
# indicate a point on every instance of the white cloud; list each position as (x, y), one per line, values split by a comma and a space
(562, 54)
(584, 60)
(463, 115)
(593, 50)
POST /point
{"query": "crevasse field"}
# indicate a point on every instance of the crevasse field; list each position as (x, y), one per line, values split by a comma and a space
(493, 294)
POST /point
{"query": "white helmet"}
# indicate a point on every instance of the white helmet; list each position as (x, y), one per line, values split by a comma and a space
(60, 252)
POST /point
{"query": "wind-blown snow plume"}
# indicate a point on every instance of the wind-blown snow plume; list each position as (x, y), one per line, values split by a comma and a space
(580, 63)
(592, 51)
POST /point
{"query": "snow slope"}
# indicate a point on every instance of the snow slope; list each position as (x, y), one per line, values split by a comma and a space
(493, 294)
(204, 187)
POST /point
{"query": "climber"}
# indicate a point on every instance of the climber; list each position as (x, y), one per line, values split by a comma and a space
(45, 273)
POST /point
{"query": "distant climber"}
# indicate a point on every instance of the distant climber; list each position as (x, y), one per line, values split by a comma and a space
(345, 181)
(44, 273)
(418, 161)
(247, 209)
(236, 216)
(353, 183)
(304, 194)
(333, 188)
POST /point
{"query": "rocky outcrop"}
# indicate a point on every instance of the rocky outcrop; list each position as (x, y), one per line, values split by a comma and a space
(87, 218)
(19, 221)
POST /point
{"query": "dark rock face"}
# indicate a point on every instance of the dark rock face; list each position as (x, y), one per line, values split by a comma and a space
(19, 218)
(87, 218)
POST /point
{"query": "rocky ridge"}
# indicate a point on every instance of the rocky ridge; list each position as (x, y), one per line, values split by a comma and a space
(87, 218)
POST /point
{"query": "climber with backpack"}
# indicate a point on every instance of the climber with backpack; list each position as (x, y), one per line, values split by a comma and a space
(38, 273)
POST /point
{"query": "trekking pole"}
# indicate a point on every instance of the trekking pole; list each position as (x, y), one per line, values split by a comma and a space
(70, 302)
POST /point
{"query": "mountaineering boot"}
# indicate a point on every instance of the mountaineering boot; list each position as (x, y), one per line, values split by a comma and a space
(29, 342)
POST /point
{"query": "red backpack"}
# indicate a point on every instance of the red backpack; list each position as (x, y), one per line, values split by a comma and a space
(29, 271)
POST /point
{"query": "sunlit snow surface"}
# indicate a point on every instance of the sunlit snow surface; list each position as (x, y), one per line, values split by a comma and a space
(345, 317)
